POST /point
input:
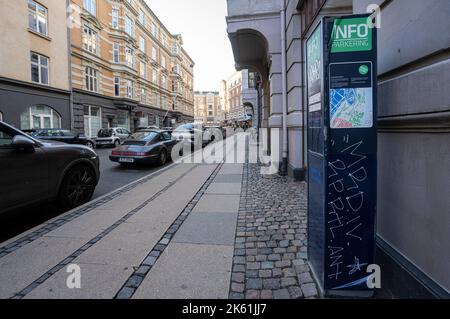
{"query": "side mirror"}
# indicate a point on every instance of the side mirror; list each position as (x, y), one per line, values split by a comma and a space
(21, 142)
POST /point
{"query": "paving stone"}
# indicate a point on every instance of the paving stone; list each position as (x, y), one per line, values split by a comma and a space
(295, 292)
(266, 294)
(281, 294)
(238, 277)
(271, 284)
(236, 287)
(272, 228)
(305, 278)
(309, 290)
(254, 283)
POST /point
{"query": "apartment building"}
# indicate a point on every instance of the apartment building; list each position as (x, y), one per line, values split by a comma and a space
(239, 95)
(34, 64)
(128, 70)
(414, 105)
(208, 109)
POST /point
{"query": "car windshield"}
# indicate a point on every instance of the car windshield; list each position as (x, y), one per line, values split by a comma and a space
(105, 133)
(185, 127)
(143, 136)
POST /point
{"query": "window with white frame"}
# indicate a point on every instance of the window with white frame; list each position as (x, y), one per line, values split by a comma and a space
(39, 68)
(143, 96)
(164, 82)
(90, 6)
(142, 43)
(115, 18)
(37, 17)
(163, 61)
(164, 40)
(154, 30)
(91, 79)
(155, 76)
(130, 89)
(128, 25)
(117, 86)
(129, 56)
(143, 70)
(154, 54)
(39, 117)
(116, 53)
(142, 17)
(89, 39)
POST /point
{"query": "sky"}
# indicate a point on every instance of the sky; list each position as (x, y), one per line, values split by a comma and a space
(204, 30)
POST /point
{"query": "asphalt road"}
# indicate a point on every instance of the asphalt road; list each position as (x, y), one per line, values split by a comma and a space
(113, 176)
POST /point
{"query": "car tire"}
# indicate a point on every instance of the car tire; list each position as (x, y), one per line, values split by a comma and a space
(116, 143)
(90, 145)
(162, 158)
(77, 187)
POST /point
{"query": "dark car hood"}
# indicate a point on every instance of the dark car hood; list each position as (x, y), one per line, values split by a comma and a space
(61, 145)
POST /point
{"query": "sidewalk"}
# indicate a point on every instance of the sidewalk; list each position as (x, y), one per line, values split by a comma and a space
(189, 231)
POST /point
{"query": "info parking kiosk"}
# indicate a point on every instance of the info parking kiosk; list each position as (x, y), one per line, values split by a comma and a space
(342, 153)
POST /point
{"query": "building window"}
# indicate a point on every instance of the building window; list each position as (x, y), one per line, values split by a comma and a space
(39, 68)
(154, 30)
(129, 89)
(129, 56)
(142, 17)
(128, 25)
(154, 54)
(155, 76)
(164, 82)
(91, 80)
(142, 44)
(143, 70)
(40, 117)
(164, 40)
(116, 53)
(37, 17)
(92, 120)
(90, 6)
(115, 18)
(143, 96)
(163, 61)
(123, 119)
(143, 121)
(89, 40)
(117, 86)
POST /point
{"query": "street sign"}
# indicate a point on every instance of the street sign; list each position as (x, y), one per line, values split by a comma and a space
(342, 152)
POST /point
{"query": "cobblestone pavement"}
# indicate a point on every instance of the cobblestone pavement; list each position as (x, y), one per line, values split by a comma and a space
(271, 240)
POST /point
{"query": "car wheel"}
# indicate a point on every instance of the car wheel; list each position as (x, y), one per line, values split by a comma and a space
(90, 145)
(116, 143)
(77, 187)
(162, 158)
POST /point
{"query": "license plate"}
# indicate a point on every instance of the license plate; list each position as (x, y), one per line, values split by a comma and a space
(126, 160)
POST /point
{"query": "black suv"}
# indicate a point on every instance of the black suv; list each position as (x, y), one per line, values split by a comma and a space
(60, 135)
(33, 171)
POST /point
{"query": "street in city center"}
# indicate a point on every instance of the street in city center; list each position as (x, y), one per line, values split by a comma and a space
(242, 151)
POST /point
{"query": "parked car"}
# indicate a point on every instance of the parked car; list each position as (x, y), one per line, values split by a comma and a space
(145, 147)
(152, 127)
(111, 136)
(34, 171)
(213, 131)
(192, 134)
(60, 135)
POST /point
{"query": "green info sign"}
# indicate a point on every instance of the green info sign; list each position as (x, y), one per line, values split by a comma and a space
(351, 35)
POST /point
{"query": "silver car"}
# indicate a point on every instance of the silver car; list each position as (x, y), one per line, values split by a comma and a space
(111, 136)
